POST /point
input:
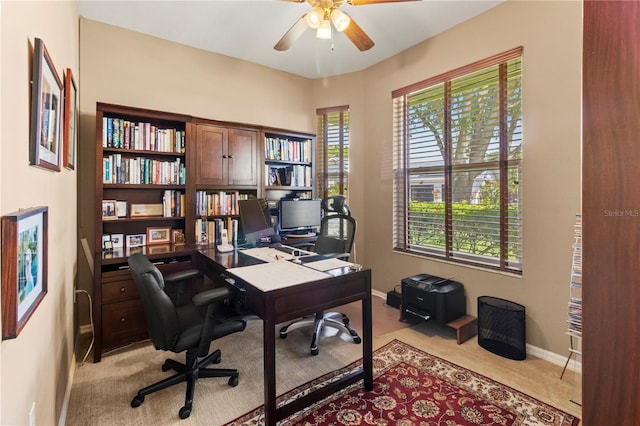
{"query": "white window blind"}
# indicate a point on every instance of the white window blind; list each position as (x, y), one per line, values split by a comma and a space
(332, 151)
(457, 156)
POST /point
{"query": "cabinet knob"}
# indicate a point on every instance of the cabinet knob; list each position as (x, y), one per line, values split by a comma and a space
(123, 319)
(122, 289)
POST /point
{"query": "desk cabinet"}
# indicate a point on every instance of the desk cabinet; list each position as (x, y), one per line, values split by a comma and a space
(120, 317)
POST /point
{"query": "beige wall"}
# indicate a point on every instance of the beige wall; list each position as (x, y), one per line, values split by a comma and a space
(36, 365)
(551, 34)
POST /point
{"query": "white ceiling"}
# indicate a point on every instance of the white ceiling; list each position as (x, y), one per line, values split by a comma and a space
(248, 30)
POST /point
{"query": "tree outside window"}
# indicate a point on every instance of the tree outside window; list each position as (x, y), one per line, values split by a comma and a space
(458, 150)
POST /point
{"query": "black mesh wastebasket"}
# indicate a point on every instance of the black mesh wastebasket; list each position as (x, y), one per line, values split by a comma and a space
(501, 327)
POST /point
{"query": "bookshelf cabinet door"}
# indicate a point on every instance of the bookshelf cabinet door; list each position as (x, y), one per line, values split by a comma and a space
(243, 146)
(211, 155)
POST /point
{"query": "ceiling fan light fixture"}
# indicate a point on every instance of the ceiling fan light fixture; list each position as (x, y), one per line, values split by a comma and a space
(315, 17)
(340, 20)
(324, 30)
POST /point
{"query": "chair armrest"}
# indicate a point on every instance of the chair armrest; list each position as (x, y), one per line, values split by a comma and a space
(181, 276)
(206, 297)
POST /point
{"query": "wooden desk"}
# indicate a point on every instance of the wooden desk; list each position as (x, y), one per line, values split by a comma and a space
(285, 304)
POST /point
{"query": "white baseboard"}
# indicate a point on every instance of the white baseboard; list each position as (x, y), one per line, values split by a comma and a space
(544, 354)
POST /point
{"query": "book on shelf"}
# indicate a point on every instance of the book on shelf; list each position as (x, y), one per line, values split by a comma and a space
(141, 170)
(288, 175)
(210, 231)
(173, 203)
(141, 136)
(220, 203)
(283, 149)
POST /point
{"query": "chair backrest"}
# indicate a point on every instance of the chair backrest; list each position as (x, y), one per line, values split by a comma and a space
(337, 232)
(159, 311)
(335, 204)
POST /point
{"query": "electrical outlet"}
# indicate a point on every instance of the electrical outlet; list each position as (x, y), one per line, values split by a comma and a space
(32, 414)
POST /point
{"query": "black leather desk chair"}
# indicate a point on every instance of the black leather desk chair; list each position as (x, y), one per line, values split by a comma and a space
(189, 327)
(335, 239)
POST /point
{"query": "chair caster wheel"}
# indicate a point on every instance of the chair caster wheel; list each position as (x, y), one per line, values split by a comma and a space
(357, 340)
(283, 335)
(315, 351)
(233, 381)
(184, 412)
(136, 401)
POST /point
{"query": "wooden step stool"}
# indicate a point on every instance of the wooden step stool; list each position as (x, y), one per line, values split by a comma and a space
(466, 327)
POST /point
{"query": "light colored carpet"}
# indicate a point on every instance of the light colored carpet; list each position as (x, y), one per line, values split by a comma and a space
(102, 392)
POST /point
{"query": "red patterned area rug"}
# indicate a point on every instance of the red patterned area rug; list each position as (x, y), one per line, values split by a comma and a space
(414, 388)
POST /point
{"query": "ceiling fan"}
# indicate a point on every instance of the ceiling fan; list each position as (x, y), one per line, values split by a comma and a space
(322, 14)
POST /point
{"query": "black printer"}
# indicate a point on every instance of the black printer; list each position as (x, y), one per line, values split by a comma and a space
(429, 297)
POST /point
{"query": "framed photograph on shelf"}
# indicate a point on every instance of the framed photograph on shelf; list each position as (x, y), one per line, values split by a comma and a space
(121, 208)
(158, 235)
(46, 110)
(177, 237)
(24, 267)
(117, 240)
(145, 210)
(109, 210)
(70, 121)
(107, 244)
(135, 240)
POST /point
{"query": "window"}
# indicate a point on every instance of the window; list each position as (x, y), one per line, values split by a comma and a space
(332, 151)
(457, 165)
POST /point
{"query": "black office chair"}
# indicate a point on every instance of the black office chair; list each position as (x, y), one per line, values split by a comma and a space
(335, 239)
(189, 327)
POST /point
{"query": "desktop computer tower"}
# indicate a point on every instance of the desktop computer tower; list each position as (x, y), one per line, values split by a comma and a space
(426, 297)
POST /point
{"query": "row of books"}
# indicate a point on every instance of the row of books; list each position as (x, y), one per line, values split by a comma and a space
(173, 203)
(287, 150)
(293, 175)
(210, 231)
(219, 203)
(121, 133)
(141, 170)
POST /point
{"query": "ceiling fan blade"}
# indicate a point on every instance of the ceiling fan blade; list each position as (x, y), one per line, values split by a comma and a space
(363, 2)
(358, 36)
(292, 35)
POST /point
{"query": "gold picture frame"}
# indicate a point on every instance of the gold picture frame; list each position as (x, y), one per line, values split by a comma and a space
(158, 235)
(146, 210)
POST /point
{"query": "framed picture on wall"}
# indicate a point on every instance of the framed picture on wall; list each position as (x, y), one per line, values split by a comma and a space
(70, 121)
(24, 267)
(46, 110)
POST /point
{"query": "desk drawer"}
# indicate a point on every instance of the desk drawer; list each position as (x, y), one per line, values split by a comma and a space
(123, 323)
(119, 290)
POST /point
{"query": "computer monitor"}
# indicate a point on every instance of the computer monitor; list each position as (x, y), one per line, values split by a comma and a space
(255, 219)
(299, 215)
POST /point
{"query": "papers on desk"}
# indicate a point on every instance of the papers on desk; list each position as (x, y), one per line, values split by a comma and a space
(276, 275)
(327, 264)
(267, 254)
